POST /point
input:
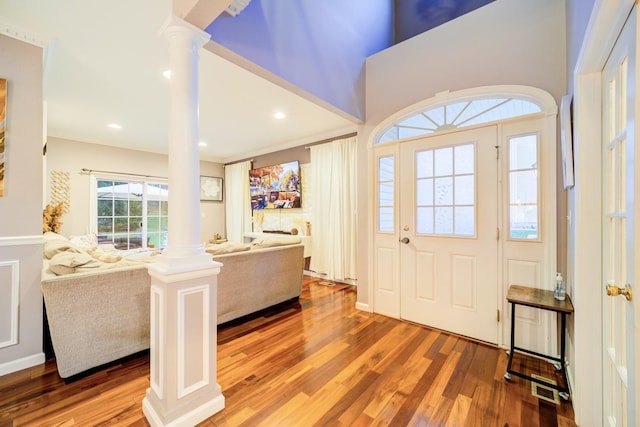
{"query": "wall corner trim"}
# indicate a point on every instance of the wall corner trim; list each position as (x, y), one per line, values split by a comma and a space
(21, 34)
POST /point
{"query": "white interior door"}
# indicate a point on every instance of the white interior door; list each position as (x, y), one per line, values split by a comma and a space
(619, 171)
(448, 224)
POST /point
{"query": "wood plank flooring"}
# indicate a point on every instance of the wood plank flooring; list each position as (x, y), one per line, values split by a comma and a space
(319, 362)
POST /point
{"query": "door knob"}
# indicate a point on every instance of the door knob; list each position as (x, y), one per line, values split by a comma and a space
(404, 240)
(613, 290)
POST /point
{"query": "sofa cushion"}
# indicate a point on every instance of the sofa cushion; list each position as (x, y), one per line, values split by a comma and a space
(273, 242)
(103, 256)
(227, 248)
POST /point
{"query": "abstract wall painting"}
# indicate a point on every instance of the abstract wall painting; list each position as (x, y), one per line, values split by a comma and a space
(3, 121)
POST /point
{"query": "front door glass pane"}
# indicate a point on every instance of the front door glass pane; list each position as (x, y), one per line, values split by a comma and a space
(445, 191)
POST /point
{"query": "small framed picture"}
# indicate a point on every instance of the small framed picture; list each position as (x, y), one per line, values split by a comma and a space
(210, 188)
(566, 140)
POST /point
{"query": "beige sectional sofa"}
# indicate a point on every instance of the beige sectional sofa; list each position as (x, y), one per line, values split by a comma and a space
(96, 317)
(259, 278)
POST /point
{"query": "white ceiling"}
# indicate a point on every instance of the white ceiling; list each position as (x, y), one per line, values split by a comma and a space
(104, 65)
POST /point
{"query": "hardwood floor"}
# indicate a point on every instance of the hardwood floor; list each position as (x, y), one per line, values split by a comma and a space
(320, 362)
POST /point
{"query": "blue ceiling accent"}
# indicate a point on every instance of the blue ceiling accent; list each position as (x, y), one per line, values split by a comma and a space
(413, 17)
(321, 45)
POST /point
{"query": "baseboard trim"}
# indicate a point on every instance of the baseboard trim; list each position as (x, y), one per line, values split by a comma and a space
(364, 307)
(20, 364)
(569, 378)
(311, 273)
(192, 418)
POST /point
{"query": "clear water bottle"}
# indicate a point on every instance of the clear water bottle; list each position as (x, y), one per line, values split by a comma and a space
(560, 290)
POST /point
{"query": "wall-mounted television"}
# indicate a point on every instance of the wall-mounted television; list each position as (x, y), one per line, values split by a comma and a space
(275, 187)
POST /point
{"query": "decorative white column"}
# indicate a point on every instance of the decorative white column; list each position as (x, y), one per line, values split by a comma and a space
(183, 389)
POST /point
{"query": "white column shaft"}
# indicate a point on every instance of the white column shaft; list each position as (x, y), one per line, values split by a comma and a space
(184, 166)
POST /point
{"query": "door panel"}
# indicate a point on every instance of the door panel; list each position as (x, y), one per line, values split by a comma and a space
(448, 204)
(618, 229)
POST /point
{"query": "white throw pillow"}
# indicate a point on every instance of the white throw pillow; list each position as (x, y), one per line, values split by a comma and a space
(50, 235)
(85, 241)
(67, 262)
(56, 246)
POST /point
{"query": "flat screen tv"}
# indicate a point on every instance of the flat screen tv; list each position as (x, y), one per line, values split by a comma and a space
(275, 187)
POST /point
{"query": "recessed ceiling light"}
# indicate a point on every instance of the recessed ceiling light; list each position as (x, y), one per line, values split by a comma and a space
(279, 115)
(202, 144)
(114, 126)
(167, 74)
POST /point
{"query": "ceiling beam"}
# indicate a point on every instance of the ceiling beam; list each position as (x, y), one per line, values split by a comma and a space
(200, 13)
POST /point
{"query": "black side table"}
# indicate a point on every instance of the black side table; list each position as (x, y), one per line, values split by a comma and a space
(544, 300)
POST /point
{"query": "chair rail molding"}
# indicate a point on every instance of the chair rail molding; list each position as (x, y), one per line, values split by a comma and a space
(21, 240)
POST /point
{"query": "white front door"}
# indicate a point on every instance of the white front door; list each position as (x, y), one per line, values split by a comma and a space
(620, 210)
(448, 225)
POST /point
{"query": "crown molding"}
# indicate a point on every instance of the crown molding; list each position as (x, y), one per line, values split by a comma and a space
(21, 34)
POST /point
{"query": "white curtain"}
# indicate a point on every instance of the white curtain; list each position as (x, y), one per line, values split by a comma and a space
(238, 203)
(334, 216)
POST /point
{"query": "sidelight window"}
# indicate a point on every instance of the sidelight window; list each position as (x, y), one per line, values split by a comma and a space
(523, 187)
(386, 184)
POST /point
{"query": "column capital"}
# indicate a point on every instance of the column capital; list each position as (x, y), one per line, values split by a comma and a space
(174, 25)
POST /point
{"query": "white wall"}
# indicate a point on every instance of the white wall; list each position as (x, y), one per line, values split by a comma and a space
(578, 13)
(72, 156)
(21, 208)
(507, 42)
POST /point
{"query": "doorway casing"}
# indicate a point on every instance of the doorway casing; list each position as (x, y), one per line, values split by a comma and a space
(545, 341)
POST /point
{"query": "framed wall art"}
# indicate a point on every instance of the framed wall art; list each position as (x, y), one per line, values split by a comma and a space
(3, 123)
(210, 188)
(566, 140)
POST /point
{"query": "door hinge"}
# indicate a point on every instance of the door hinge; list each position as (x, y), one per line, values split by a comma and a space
(497, 152)
(497, 233)
(498, 315)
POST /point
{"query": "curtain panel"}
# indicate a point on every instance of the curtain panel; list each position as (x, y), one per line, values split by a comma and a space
(334, 216)
(238, 203)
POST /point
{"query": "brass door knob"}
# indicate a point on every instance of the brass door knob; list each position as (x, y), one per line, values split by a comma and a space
(404, 240)
(613, 290)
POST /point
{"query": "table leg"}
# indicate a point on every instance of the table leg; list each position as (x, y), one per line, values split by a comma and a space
(563, 322)
(507, 375)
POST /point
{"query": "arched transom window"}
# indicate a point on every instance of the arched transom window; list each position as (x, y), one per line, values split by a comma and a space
(458, 115)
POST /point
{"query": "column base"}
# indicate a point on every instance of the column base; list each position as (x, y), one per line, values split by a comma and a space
(190, 418)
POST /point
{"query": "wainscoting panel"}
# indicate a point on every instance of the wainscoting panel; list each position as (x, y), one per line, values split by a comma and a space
(157, 343)
(9, 302)
(193, 339)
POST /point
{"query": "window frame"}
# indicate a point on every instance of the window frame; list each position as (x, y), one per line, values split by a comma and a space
(508, 169)
(145, 181)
